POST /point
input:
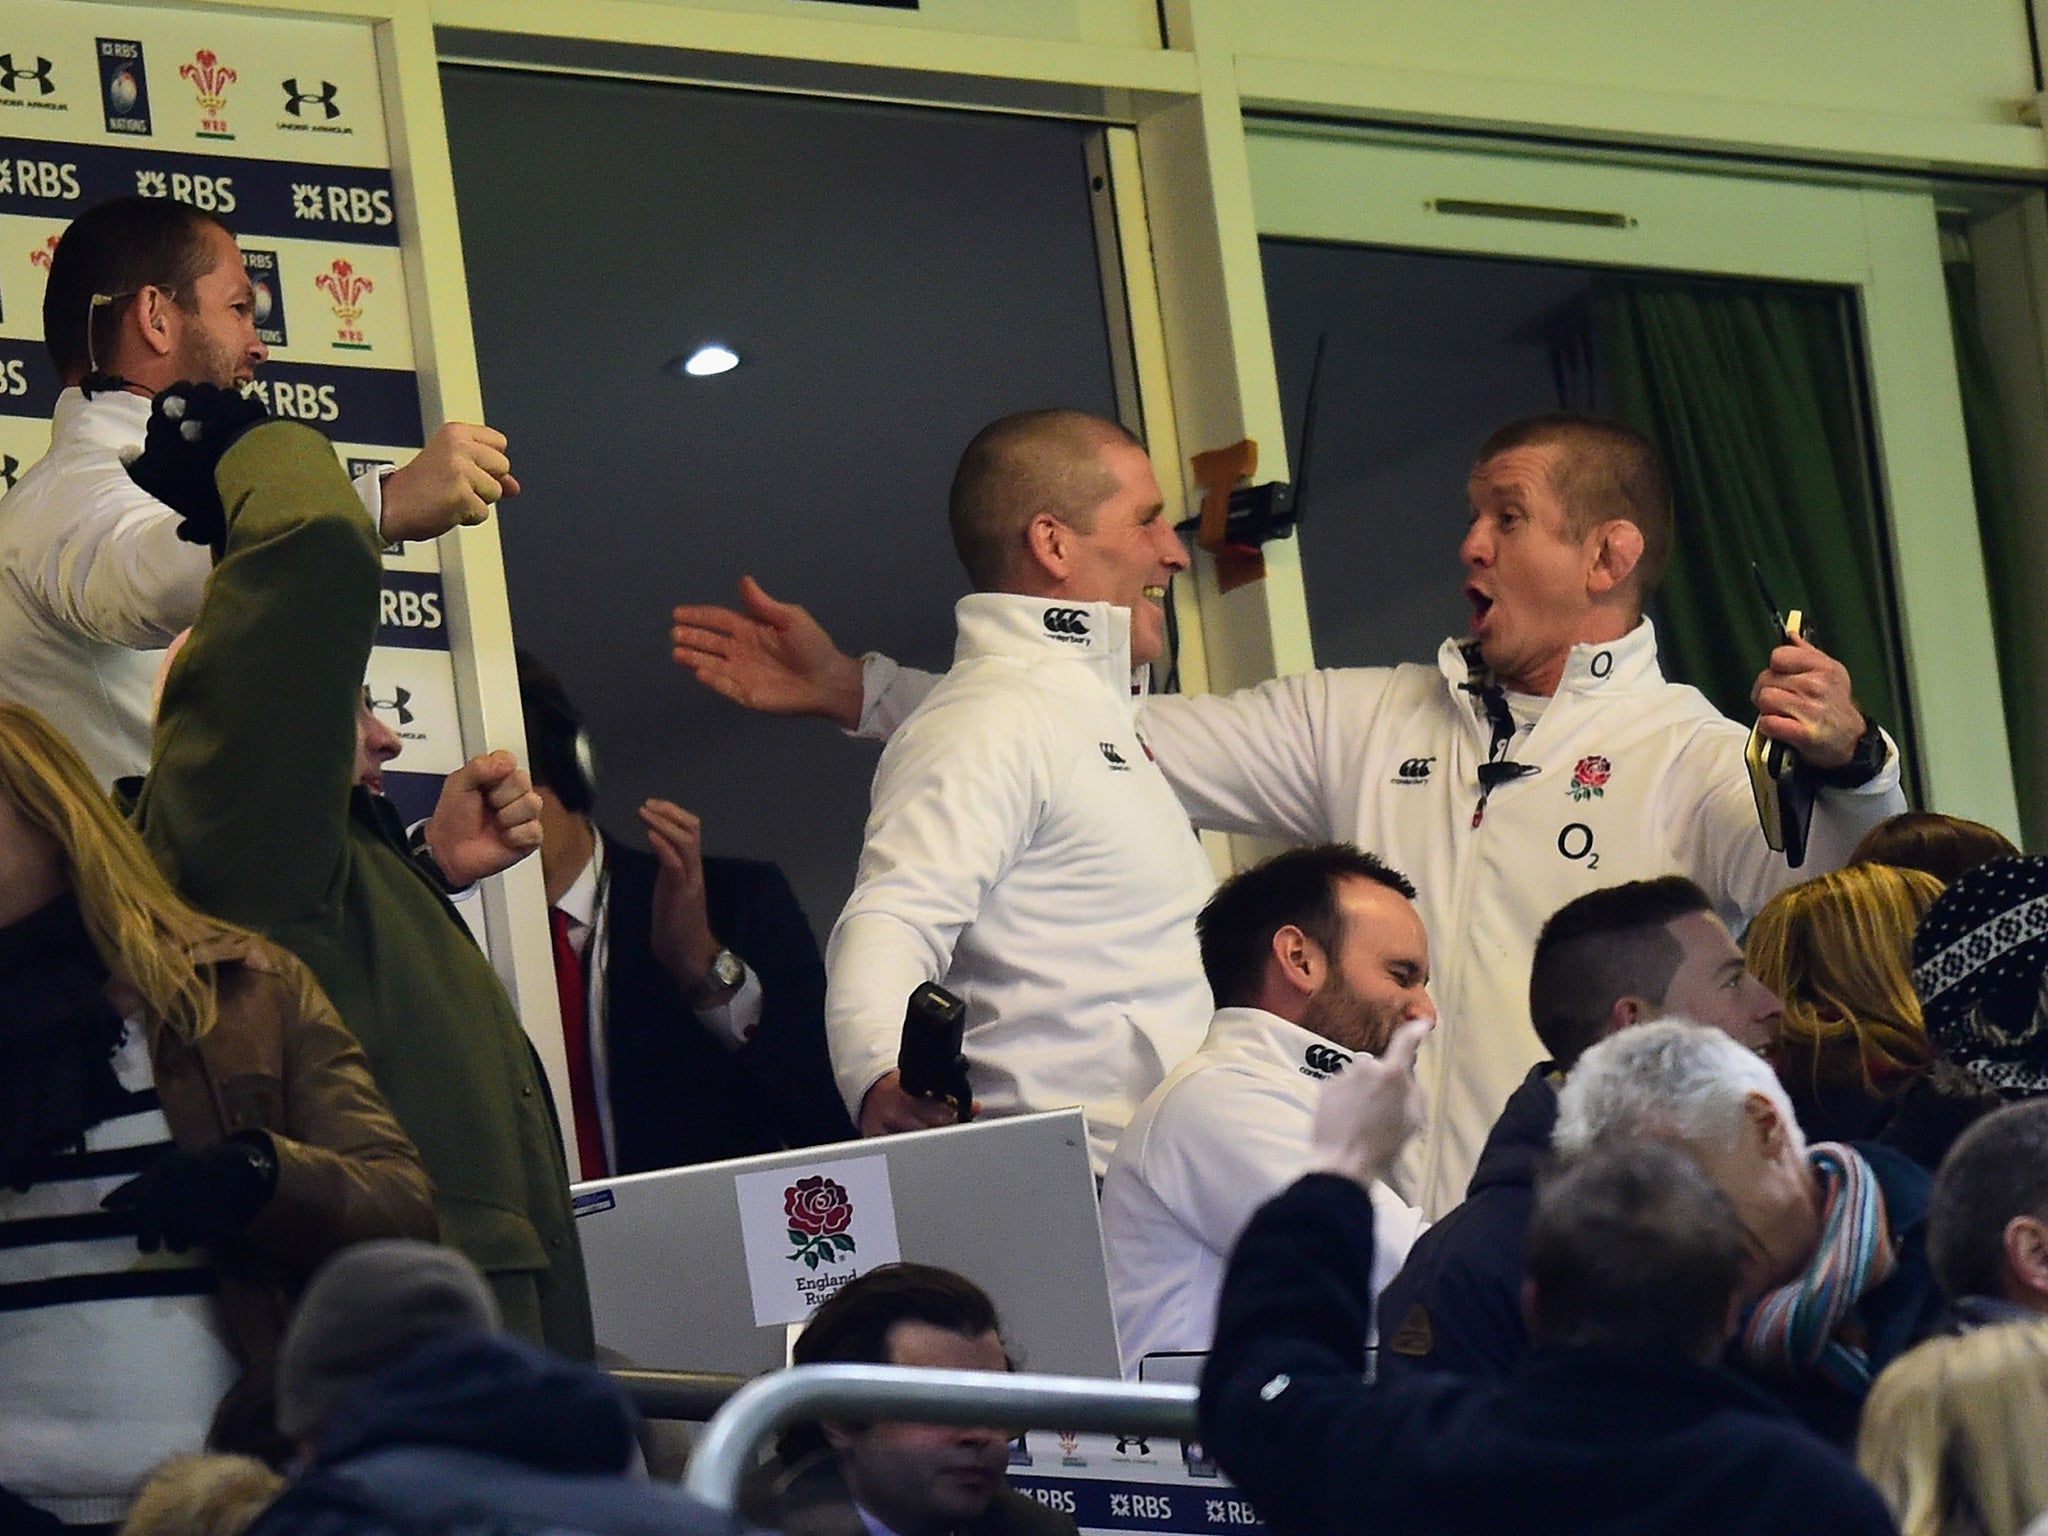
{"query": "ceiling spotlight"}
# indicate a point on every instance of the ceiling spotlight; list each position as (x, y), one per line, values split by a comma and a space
(709, 359)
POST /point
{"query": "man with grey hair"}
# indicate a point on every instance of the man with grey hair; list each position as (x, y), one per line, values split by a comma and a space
(1835, 1279)
(1023, 849)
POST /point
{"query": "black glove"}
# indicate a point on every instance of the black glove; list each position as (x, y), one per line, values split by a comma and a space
(205, 1195)
(190, 427)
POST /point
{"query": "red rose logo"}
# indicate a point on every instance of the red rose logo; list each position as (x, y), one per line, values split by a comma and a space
(1588, 777)
(819, 1213)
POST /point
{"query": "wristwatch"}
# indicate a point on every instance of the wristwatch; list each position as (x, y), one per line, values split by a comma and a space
(1865, 763)
(728, 970)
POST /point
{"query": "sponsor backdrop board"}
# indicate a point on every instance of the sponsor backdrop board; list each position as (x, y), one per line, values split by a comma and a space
(277, 126)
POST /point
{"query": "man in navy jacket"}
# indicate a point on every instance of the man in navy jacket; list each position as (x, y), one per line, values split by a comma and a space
(1618, 1423)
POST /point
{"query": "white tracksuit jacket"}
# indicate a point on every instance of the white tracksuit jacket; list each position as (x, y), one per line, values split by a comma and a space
(1024, 850)
(1636, 777)
(1226, 1132)
(94, 581)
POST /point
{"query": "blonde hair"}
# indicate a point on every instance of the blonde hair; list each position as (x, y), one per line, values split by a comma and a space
(1839, 952)
(203, 1496)
(1955, 1433)
(143, 929)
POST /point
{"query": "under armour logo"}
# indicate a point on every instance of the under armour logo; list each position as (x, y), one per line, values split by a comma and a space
(396, 704)
(1067, 623)
(1114, 758)
(12, 74)
(10, 469)
(1142, 1442)
(1323, 1061)
(1414, 771)
(294, 99)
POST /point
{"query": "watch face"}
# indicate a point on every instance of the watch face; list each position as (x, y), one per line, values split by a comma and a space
(728, 968)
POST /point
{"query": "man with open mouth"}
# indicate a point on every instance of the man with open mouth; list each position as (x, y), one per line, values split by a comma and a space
(1544, 755)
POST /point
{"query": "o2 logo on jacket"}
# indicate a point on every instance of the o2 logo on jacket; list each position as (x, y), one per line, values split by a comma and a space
(1068, 624)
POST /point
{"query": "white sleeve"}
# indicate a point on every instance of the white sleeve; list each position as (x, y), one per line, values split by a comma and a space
(370, 492)
(1251, 761)
(112, 567)
(957, 797)
(1707, 800)
(889, 695)
(1220, 1146)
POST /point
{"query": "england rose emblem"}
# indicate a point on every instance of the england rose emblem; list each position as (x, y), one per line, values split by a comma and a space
(1588, 778)
(819, 1213)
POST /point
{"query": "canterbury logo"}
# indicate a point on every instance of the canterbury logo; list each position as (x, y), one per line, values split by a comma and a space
(295, 99)
(1323, 1061)
(12, 75)
(1067, 623)
(1114, 758)
(1414, 771)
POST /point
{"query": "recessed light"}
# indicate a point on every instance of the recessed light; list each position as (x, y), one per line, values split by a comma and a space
(711, 358)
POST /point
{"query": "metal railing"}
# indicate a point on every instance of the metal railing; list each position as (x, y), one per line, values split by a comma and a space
(772, 1403)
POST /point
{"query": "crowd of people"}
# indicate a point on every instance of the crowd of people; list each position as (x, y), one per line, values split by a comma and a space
(1526, 1145)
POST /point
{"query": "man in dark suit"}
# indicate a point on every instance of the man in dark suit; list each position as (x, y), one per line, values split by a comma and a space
(692, 991)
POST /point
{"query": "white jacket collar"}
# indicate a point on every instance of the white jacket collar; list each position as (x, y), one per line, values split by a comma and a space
(1098, 635)
(112, 418)
(1253, 1033)
(1622, 665)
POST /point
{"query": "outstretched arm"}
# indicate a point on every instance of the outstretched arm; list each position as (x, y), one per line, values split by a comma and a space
(770, 656)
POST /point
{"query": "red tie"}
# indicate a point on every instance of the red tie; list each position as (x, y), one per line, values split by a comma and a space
(576, 1046)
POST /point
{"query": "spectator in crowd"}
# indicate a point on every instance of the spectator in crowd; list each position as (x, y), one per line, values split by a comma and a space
(1946, 847)
(1617, 1422)
(203, 1496)
(1835, 1281)
(1979, 958)
(144, 293)
(253, 804)
(1839, 951)
(417, 1416)
(169, 1081)
(693, 996)
(1987, 1223)
(1625, 955)
(834, 1479)
(1314, 956)
(1442, 770)
(1955, 1435)
(1023, 801)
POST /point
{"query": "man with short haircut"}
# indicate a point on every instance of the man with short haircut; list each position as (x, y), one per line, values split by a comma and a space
(1617, 1424)
(1023, 849)
(1835, 1281)
(1314, 957)
(144, 293)
(1987, 1223)
(895, 1479)
(1607, 960)
(1543, 755)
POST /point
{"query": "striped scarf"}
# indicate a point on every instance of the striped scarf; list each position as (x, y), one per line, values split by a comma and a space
(1793, 1330)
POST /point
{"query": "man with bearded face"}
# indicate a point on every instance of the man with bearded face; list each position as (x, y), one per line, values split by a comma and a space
(1314, 957)
(1543, 756)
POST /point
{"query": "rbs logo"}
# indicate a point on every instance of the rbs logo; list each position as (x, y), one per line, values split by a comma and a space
(410, 610)
(50, 179)
(299, 402)
(13, 378)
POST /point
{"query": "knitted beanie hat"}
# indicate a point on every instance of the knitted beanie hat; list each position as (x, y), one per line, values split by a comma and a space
(368, 1307)
(1979, 958)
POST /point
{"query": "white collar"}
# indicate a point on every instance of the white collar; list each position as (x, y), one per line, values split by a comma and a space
(1098, 635)
(579, 902)
(112, 418)
(1269, 1039)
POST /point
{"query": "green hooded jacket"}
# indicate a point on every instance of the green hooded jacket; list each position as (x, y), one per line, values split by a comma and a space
(251, 808)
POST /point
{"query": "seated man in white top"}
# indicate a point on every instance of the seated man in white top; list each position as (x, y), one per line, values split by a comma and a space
(1023, 850)
(1313, 956)
(145, 293)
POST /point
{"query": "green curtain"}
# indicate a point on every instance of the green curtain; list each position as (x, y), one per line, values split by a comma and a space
(1997, 526)
(1749, 391)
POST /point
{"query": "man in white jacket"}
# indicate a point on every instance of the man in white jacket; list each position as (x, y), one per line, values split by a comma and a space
(144, 293)
(1315, 956)
(1543, 756)
(1022, 848)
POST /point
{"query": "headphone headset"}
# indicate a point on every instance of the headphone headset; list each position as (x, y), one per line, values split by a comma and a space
(556, 741)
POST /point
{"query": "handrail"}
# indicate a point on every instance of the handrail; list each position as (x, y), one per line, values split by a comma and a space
(772, 1403)
(692, 1395)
